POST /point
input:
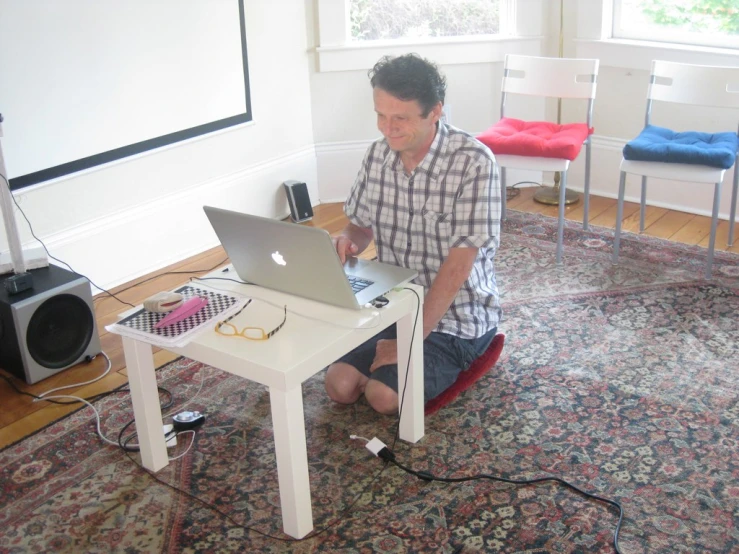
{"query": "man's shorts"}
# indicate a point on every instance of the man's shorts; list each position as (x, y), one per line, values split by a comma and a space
(444, 358)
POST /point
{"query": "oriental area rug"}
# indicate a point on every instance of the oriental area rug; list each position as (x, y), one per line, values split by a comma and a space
(621, 380)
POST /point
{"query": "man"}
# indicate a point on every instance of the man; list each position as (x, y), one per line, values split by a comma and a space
(428, 194)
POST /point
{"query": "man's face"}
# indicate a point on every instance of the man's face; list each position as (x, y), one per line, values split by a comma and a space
(402, 124)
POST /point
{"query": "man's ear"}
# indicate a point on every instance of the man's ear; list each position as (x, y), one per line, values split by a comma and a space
(437, 111)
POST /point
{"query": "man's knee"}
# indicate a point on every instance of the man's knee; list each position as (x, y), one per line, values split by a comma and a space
(344, 383)
(382, 398)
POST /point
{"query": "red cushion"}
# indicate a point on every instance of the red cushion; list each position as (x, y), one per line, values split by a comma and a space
(536, 138)
(468, 377)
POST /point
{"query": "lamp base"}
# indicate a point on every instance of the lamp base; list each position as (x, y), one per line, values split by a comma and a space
(550, 195)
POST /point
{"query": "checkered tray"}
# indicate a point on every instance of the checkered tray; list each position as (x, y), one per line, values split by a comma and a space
(140, 325)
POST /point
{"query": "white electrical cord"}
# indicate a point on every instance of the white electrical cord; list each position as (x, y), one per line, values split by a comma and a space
(99, 431)
(78, 399)
(47, 396)
(200, 388)
(107, 370)
(189, 446)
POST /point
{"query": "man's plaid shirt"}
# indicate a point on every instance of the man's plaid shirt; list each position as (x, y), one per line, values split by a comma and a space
(452, 199)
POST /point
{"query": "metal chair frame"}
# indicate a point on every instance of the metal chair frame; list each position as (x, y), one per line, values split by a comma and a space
(552, 78)
(689, 84)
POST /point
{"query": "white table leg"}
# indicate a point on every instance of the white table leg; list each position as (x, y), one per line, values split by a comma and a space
(145, 399)
(292, 461)
(411, 417)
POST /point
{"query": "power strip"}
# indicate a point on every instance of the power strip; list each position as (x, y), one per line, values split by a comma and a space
(169, 430)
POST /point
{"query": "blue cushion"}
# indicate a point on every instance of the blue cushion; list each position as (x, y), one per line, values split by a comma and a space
(657, 144)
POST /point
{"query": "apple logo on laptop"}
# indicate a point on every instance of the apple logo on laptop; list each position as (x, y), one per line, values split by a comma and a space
(277, 257)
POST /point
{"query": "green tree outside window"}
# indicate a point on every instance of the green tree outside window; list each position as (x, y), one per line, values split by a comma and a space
(704, 16)
(394, 19)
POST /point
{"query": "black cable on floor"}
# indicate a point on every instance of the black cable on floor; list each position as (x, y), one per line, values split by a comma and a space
(387, 455)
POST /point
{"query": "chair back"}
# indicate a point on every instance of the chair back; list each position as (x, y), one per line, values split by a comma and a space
(699, 85)
(550, 77)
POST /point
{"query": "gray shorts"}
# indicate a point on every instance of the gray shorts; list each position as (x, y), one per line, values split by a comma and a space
(444, 358)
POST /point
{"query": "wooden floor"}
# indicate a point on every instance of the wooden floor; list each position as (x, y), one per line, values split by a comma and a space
(21, 416)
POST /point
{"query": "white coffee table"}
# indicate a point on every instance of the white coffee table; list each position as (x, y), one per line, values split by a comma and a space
(302, 348)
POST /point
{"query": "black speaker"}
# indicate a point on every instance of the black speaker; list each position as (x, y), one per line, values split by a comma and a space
(49, 327)
(299, 201)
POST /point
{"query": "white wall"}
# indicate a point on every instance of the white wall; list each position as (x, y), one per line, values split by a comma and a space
(117, 222)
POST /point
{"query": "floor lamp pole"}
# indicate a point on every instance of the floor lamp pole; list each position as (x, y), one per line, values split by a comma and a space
(550, 195)
(6, 203)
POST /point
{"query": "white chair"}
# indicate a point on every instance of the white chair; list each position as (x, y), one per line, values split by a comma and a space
(541, 145)
(688, 156)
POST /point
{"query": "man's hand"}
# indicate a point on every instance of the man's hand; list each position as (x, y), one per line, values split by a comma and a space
(385, 354)
(352, 241)
(345, 247)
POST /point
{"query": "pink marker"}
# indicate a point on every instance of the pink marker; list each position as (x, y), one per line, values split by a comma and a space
(187, 309)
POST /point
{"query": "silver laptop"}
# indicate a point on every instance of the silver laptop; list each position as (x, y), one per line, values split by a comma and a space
(300, 260)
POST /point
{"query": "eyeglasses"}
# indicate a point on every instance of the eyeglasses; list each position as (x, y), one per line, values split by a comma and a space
(252, 333)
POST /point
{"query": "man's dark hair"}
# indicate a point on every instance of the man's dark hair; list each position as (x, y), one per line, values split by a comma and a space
(410, 77)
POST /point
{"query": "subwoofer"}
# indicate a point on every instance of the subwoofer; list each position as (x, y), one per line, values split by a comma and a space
(49, 327)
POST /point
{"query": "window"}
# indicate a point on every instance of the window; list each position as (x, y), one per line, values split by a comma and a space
(606, 31)
(698, 22)
(354, 34)
(423, 19)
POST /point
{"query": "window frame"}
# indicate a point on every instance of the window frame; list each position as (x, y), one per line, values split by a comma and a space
(337, 52)
(594, 39)
(665, 36)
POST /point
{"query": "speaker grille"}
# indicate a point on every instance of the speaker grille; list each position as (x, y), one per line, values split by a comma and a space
(59, 331)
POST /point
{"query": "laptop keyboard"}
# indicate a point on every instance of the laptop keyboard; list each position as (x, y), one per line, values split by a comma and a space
(358, 284)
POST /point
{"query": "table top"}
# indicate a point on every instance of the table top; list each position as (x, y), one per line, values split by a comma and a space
(314, 335)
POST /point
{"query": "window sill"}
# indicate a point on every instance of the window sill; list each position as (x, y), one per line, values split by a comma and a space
(442, 52)
(638, 54)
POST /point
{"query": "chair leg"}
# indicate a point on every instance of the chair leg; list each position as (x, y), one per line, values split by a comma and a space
(586, 205)
(502, 193)
(561, 217)
(643, 205)
(619, 216)
(714, 224)
(732, 215)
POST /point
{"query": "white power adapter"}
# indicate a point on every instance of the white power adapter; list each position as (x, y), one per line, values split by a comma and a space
(169, 431)
(375, 445)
